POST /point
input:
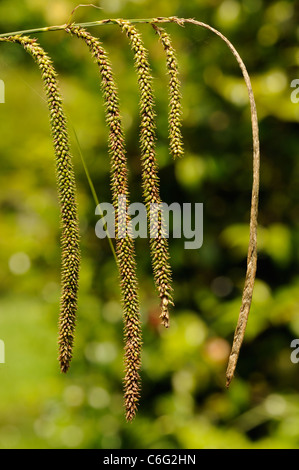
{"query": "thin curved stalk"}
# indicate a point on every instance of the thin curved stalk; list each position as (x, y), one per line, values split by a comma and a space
(252, 248)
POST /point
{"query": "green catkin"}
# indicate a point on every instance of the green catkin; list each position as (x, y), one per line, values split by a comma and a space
(70, 251)
(124, 246)
(158, 243)
(175, 107)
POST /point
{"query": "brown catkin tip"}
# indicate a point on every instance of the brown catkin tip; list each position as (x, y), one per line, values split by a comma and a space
(253, 225)
(175, 107)
(70, 251)
(150, 179)
(125, 250)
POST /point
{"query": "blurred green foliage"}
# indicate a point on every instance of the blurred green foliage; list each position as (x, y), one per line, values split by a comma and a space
(184, 401)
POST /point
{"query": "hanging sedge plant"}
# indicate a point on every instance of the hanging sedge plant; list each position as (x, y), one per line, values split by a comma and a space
(70, 251)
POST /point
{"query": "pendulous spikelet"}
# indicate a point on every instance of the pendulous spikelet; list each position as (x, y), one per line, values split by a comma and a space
(158, 243)
(125, 251)
(175, 107)
(70, 251)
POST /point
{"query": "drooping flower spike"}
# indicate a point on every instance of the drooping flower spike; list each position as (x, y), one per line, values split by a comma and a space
(176, 146)
(70, 251)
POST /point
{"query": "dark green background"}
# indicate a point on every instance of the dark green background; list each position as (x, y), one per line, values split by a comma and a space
(184, 402)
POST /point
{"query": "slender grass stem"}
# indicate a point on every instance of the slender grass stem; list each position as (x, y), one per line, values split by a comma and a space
(61, 27)
(92, 189)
